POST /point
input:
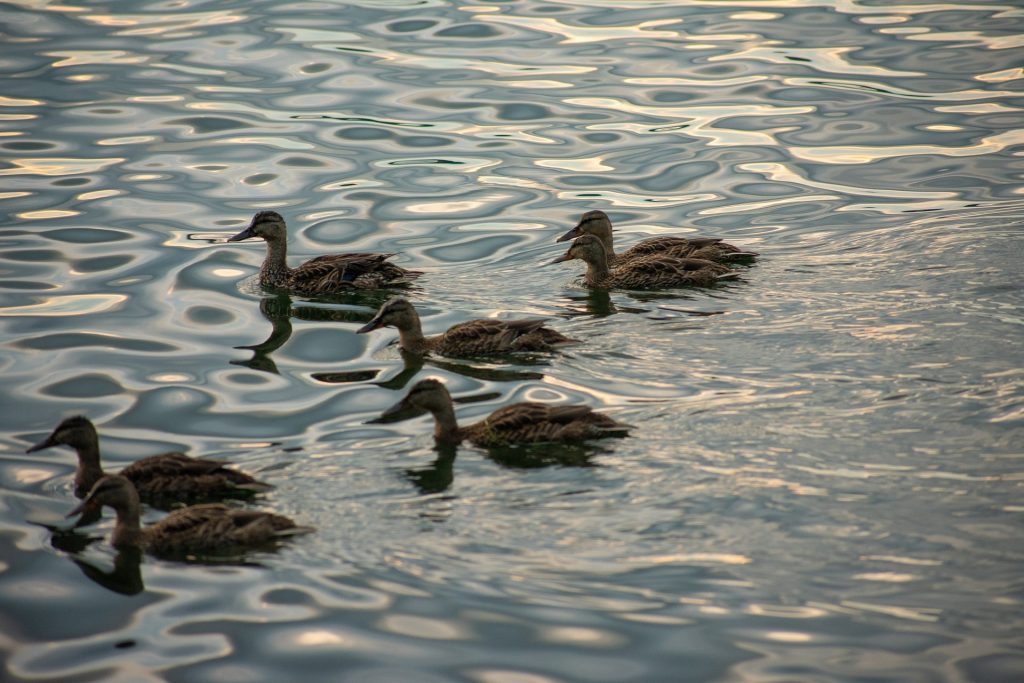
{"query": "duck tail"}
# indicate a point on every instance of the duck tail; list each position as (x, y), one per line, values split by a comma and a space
(254, 487)
(294, 531)
(728, 276)
(740, 255)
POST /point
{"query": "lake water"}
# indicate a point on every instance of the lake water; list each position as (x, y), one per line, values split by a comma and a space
(825, 482)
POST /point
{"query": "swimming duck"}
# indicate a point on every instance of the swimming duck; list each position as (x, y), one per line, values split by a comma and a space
(646, 272)
(514, 424)
(208, 528)
(323, 274)
(598, 224)
(471, 338)
(167, 477)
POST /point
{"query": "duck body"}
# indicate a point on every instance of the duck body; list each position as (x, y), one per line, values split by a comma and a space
(328, 274)
(530, 422)
(653, 271)
(519, 423)
(208, 528)
(478, 337)
(159, 479)
(598, 224)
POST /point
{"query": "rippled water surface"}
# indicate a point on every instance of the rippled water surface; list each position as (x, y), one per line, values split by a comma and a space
(824, 482)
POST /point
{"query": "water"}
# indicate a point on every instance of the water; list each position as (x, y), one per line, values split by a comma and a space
(825, 483)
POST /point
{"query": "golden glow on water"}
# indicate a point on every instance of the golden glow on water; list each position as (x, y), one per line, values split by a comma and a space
(18, 102)
(47, 214)
(58, 166)
(318, 638)
(423, 627)
(76, 304)
(587, 34)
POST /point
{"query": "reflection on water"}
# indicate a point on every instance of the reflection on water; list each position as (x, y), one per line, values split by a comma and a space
(822, 482)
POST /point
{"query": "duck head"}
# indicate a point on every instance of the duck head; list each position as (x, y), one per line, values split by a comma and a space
(396, 312)
(267, 225)
(428, 395)
(586, 248)
(591, 223)
(113, 490)
(77, 432)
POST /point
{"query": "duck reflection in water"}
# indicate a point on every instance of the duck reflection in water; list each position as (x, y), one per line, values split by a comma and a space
(279, 311)
(125, 578)
(439, 475)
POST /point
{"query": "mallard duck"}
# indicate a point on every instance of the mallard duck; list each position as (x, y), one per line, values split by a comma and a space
(598, 224)
(471, 338)
(208, 528)
(514, 424)
(167, 477)
(324, 274)
(648, 272)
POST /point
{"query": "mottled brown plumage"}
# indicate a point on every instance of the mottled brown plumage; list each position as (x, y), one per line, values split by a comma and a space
(164, 478)
(514, 424)
(598, 224)
(323, 274)
(648, 272)
(209, 528)
(471, 338)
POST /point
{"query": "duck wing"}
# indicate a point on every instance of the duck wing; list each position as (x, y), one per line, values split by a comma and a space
(485, 335)
(176, 475)
(339, 271)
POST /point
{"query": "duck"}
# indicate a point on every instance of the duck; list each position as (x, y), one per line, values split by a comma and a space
(648, 272)
(167, 477)
(598, 224)
(477, 337)
(518, 423)
(207, 528)
(324, 274)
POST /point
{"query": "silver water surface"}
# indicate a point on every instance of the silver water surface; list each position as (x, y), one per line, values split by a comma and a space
(825, 480)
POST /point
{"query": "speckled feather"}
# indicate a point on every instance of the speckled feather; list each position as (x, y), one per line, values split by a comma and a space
(178, 476)
(337, 272)
(538, 422)
(213, 527)
(655, 271)
(490, 335)
(477, 337)
(707, 248)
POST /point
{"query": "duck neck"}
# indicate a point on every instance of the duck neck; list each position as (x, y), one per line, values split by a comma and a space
(128, 531)
(89, 468)
(606, 242)
(274, 270)
(446, 429)
(597, 270)
(410, 336)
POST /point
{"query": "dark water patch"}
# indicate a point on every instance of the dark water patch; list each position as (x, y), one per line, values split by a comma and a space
(71, 340)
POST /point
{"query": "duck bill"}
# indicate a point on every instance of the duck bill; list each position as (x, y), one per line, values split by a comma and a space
(375, 324)
(560, 259)
(244, 235)
(571, 235)
(396, 413)
(45, 443)
(84, 506)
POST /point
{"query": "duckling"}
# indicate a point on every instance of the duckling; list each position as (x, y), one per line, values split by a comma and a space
(598, 224)
(323, 274)
(208, 528)
(471, 338)
(167, 477)
(648, 272)
(518, 423)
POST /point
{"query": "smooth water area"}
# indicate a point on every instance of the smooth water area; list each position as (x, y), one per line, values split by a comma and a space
(825, 480)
